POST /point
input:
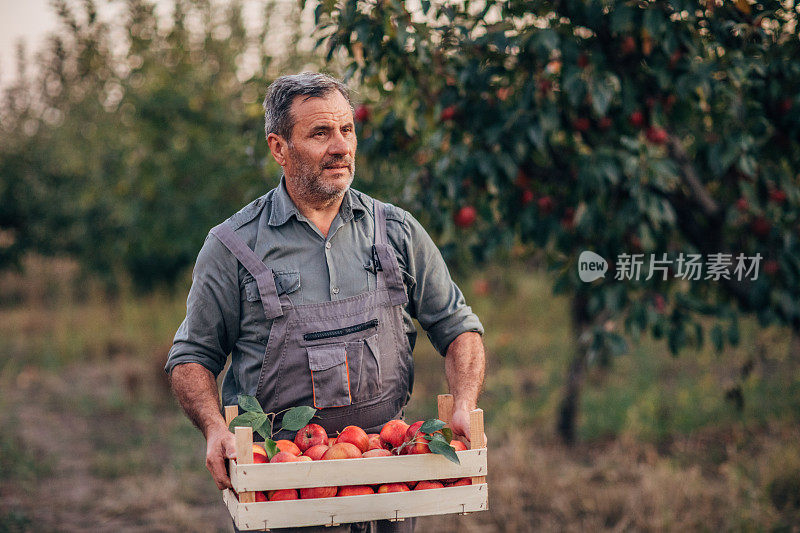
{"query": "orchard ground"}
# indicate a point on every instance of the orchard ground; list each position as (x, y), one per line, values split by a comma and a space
(91, 439)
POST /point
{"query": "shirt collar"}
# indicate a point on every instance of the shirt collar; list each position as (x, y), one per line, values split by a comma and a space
(283, 206)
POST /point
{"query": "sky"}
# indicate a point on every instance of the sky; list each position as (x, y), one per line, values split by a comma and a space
(22, 19)
(32, 20)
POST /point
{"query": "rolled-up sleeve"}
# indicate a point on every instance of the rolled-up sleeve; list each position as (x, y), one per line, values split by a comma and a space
(435, 300)
(211, 327)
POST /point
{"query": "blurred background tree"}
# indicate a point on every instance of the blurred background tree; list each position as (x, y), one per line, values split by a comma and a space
(660, 127)
(132, 139)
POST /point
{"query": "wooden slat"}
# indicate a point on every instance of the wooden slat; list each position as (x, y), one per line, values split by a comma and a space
(327, 511)
(244, 456)
(231, 412)
(476, 437)
(445, 402)
(367, 471)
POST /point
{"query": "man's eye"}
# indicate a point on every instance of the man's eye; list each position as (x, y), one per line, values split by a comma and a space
(319, 134)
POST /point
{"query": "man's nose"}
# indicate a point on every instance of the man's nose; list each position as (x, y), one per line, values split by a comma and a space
(338, 144)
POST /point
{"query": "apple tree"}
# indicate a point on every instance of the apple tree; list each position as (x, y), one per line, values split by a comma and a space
(662, 135)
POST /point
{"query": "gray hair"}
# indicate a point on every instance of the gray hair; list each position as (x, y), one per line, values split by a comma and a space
(277, 105)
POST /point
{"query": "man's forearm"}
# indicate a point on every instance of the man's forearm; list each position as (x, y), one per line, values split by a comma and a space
(196, 389)
(464, 366)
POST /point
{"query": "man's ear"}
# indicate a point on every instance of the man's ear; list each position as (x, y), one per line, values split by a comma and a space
(279, 147)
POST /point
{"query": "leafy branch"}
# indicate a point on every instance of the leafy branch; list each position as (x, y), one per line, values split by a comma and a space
(264, 423)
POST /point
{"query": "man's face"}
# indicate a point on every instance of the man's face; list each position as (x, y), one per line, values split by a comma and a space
(321, 152)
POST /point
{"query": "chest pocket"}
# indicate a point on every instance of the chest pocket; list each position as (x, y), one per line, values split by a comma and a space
(285, 282)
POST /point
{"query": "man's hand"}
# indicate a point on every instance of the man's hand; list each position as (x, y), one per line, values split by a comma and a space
(460, 424)
(220, 445)
(196, 390)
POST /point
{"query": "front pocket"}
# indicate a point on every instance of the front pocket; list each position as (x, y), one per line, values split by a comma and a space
(329, 375)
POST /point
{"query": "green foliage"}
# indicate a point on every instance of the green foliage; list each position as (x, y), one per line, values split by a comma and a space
(661, 127)
(124, 152)
(294, 419)
(297, 418)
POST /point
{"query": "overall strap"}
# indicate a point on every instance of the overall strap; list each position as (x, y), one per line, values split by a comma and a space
(388, 271)
(260, 272)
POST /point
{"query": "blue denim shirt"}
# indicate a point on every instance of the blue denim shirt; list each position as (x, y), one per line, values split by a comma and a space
(224, 313)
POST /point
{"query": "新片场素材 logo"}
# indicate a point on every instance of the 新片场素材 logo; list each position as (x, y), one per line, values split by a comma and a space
(591, 266)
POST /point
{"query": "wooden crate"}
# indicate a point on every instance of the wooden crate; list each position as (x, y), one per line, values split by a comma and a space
(247, 477)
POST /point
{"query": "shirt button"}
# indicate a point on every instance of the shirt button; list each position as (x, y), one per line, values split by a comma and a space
(328, 245)
(335, 290)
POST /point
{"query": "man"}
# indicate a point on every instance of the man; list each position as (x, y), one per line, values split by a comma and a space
(311, 289)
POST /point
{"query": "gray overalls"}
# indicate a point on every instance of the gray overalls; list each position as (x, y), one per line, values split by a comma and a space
(348, 358)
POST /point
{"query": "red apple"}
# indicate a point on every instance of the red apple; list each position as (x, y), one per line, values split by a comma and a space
(581, 124)
(674, 58)
(771, 267)
(258, 458)
(318, 492)
(304, 458)
(656, 135)
(659, 303)
(393, 487)
(283, 457)
(316, 452)
(417, 445)
(462, 482)
(288, 446)
(761, 226)
(777, 196)
(260, 496)
(545, 204)
(374, 441)
(377, 452)
(458, 445)
(742, 205)
(422, 485)
(355, 436)
(282, 495)
(413, 429)
(258, 449)
(393, 433)
(526, 197)
(355, 490)
(628, 45)
(309, 436)
(362, 113)
(341, 450)
(448, 113)
(636, 119)
(466, 216)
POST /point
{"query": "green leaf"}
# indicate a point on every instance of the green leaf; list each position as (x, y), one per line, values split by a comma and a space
(442, 448)
(249, 419)
(272, 448)
(250, 404)
(448, 434)
(432, 426)
(298, 417)
(265, 429)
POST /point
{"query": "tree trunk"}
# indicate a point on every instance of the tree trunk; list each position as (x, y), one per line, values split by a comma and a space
(568, 411)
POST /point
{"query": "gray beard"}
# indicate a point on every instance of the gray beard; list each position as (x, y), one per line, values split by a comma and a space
(314, 189)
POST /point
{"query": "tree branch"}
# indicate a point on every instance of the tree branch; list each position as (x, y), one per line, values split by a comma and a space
(691, 179)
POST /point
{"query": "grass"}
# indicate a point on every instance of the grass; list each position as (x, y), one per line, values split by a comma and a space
(88, 425)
